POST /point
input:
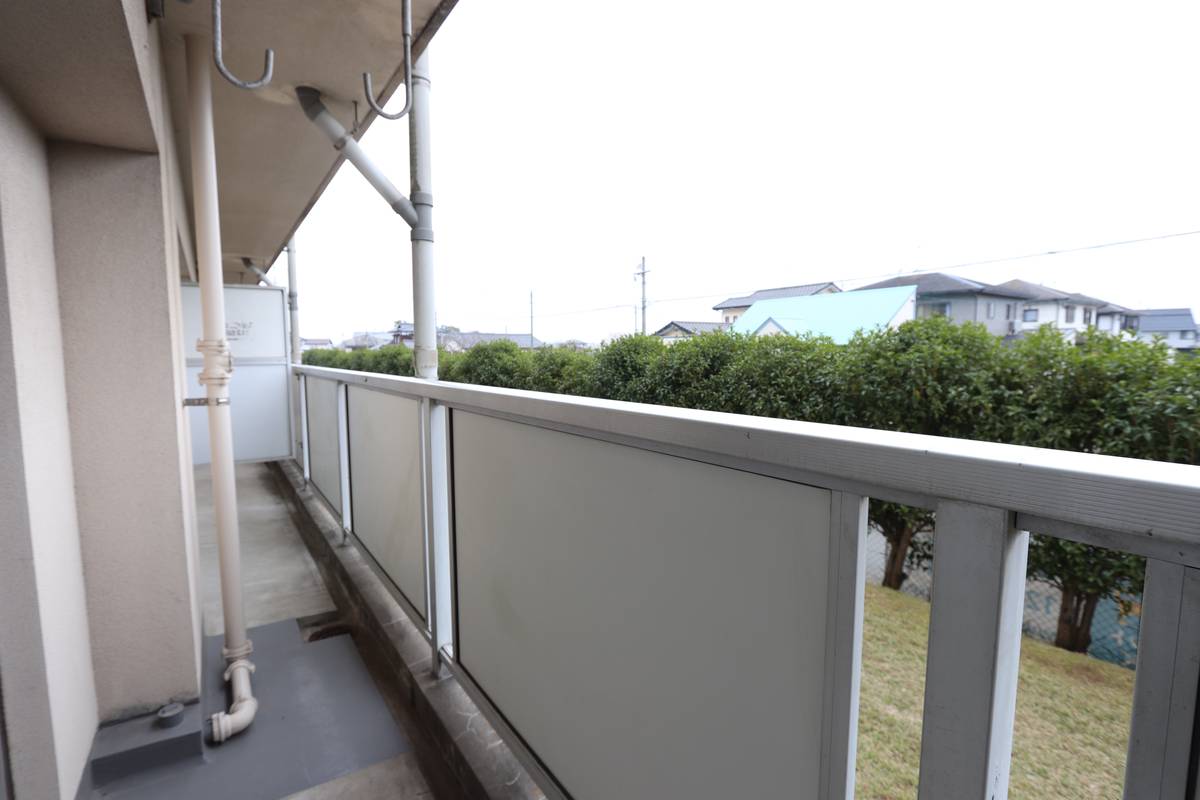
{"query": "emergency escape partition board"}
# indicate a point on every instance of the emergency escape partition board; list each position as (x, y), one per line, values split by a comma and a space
(256, 327)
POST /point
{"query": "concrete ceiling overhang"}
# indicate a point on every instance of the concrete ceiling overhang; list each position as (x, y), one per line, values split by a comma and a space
(77, 69)
(272, 164)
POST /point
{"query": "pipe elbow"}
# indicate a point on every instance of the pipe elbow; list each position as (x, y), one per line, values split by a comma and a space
(310, 101)
(227, 724)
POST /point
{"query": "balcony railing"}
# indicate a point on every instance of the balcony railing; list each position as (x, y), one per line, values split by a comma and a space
(659, 602)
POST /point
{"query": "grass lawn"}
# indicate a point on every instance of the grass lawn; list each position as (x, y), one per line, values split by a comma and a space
(1072, 712)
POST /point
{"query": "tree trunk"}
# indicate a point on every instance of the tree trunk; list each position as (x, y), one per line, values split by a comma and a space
(897, 554)
(1075, 620)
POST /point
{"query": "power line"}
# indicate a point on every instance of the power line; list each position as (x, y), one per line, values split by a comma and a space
(1100, 246)
(1060, 252)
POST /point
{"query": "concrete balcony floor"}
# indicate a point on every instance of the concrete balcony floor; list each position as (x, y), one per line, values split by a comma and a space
(326, 728)
(279, 579)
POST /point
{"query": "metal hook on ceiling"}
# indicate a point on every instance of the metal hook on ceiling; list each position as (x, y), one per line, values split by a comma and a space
(406, 12)
(268, 60)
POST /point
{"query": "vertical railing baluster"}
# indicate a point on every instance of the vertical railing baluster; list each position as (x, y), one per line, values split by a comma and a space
(440, 521)
(304, 428)
(974, 652)
(843, 642)
(1162, 739)
(344, 455)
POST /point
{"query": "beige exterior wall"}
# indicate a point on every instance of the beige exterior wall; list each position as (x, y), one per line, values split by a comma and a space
(121, 353)
(99, 615)
(45, 648)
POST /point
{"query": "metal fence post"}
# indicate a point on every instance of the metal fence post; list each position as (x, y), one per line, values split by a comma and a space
(974, 653)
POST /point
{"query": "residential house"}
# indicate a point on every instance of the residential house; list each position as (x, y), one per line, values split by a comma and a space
(402, 333)
(367, 340)
(1175, 326)
(837, 316)
(734, 307)
(678, 330)
(961, 300)
(1113, 318)
(453, 340)
(315, 344)
(457, 341)
(1069, 312)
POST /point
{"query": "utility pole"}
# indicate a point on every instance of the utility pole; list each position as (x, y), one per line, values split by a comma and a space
(641, 273)
(531, 320)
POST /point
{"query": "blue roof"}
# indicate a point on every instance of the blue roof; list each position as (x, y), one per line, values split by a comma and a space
(837, 316)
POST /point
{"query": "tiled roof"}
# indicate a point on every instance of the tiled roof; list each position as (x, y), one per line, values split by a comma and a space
(1161, 320)
(803, 290)
(693, 327)
(941, 283)
(468, 339)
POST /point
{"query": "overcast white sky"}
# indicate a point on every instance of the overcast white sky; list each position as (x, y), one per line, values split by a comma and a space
(740, 146)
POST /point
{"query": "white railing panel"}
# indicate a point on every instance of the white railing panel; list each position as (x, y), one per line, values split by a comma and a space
(385, 486)
(324, 458)
(650, 626)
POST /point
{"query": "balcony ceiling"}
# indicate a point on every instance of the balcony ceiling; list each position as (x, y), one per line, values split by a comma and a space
(272, 164)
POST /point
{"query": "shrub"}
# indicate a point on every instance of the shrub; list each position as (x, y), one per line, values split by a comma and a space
(785, 376)
(624, 367)
(691, 373)
(499, 363)
(562, 370)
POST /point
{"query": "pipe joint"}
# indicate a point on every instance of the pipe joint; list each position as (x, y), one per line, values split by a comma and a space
(240, 663)
(421, 235)
(218, 361)
(421, 199)
(238, 653)
(427, 363)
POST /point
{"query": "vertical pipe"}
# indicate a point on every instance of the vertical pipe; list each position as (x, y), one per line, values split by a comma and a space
(421, 195)
(294, 328)
(215, 376)
(293, 301)
(435, 417)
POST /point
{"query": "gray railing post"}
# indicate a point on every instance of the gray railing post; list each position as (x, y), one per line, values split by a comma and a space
(974, 652)
(343, 422)
(304, 449)
(843, 642)
(1162, 739)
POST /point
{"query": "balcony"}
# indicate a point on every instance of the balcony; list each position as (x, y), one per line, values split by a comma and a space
(618, 586)
(452, 591)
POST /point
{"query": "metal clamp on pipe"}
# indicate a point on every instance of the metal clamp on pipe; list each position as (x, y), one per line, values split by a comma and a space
(205, 401)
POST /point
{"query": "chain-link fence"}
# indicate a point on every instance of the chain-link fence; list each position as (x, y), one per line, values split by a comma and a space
(1114, 633)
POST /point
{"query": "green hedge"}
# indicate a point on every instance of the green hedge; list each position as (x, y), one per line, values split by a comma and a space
(1103, 394)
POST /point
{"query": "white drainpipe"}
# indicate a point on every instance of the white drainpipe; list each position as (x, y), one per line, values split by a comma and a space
(417, 212)
(215, 376)
(421, 194)
(293, 301)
